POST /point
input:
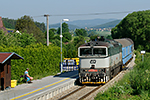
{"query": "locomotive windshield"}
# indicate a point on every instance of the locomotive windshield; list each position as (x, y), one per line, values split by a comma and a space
(92, 51)
(99, 51)
(85, 52)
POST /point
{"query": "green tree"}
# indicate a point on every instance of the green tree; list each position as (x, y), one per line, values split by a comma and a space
(3, 39)
(16, 39)
(66, 37)
(57, 37)
(70, 48)
(109, 37)
(79, 40)
(56, 42)
(9, 23)
(135, 26)
(52, 32)
(22, 39)
(92, 33)
(81, 32)
(94, 37)
(64, 28)
(26, 24)
(41, 26)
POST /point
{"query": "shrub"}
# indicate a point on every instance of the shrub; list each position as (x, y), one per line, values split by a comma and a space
(134, 85)
(40, 59)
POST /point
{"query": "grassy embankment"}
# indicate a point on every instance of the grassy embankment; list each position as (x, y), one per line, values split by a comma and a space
(135, 85)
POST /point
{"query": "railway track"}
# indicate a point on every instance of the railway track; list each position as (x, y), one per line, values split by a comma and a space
(83, 92)
(89, 92)
(79, 93)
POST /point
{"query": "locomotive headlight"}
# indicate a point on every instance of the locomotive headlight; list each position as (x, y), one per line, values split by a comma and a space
(84, 70)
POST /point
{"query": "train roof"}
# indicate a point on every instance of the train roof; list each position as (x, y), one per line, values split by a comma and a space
(125, 41)
(107, 43)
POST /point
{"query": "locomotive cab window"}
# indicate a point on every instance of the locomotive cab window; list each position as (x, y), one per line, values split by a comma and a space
(99, 51)
(85, 51)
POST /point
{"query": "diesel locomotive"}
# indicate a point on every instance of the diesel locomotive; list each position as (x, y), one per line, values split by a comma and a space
(101, 60)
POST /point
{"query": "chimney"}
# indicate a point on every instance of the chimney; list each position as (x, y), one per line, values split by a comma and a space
(2, 27)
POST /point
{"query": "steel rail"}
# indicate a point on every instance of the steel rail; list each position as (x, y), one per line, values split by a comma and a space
(72, 93)
(86, 95)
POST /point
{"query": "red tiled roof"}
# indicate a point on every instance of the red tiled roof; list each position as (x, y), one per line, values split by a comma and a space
(4, 56)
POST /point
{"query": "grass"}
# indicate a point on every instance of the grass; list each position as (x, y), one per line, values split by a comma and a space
(9, 29)
(135, 85)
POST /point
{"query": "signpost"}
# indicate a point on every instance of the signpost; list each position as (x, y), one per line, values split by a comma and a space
(142, 53)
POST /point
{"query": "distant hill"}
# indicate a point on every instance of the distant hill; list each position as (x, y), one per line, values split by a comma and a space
(71, 27)
(90, 23)
(93, 23)
(107, 25)
(77, 24)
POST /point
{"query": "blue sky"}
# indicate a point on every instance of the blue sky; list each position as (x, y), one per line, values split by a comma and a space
(15, 9)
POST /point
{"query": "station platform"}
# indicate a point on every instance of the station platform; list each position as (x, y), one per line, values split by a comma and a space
(26, 90)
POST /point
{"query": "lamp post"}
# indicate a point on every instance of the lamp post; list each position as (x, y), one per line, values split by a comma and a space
(61, 40)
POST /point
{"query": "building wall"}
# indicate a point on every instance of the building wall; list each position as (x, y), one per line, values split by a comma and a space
(5, 74)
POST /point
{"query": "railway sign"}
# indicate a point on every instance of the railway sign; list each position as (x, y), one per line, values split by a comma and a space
(143, 52)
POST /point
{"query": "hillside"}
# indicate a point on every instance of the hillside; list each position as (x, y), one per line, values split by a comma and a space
(71, 27)
(108, 25)
(77, 24)
(90, 22)
(94, 23)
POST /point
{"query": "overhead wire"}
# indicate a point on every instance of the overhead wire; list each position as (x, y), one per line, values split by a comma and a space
(84, 14)
(91, 14)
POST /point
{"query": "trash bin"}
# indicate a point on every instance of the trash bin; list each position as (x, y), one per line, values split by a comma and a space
(13, 83)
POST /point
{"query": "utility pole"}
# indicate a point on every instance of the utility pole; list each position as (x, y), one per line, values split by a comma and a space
(47, 20)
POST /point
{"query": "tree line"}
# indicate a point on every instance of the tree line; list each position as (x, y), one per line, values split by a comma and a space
(30, 43)
(136, 26)
(11, 23)
(31, 32)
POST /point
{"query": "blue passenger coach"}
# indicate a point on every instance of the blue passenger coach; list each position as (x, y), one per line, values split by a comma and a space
(127, 49)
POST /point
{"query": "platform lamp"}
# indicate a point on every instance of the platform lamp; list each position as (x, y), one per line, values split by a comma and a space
(65, 20)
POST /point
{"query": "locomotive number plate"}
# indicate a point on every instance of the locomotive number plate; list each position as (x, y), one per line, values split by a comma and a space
(93, 61)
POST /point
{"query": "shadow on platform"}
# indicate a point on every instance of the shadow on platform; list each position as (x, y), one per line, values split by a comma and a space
(71, 74)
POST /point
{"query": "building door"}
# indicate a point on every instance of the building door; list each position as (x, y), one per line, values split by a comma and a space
(2, 77)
